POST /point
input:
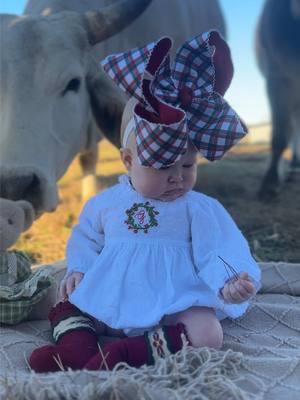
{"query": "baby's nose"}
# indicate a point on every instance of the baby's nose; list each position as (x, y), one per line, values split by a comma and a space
(176, 176)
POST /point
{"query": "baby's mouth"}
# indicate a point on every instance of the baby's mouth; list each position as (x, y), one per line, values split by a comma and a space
(174, 192)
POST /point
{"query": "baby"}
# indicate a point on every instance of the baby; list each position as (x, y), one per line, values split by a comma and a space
(148, 261)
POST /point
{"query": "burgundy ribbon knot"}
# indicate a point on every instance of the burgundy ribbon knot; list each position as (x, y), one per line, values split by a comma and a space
(181, 103)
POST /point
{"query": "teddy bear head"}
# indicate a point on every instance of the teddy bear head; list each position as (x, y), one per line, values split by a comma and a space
(15, 217)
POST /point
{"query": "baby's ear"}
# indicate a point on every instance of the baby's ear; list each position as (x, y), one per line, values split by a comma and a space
(126, 157)
(29, 214)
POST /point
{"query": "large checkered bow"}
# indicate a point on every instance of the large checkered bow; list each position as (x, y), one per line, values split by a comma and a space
(181, 103)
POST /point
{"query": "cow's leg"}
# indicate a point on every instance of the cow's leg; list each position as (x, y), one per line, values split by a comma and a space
(294, 170)
(88, 162)
(278, 91)
(295, 162)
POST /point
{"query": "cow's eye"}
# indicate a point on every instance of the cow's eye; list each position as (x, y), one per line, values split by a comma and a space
(72, 86)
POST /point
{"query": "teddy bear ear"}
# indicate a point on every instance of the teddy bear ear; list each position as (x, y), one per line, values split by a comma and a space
(29, 213)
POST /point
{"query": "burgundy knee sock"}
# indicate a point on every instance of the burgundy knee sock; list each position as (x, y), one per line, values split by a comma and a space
(75, 337)
(139, 350)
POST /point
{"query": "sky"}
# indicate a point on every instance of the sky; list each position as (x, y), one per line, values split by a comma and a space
(247, 91)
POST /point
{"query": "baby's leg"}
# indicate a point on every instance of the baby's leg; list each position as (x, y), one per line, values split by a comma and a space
(107, 334)
(75, 340)
(201, 324)
(156, 343)
(104, 330)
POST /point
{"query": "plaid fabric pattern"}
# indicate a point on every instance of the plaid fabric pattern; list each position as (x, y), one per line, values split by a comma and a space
(161, 130)
(127, 69)
(13, 312)
(218, 129)
(14, 267)
(20, 289)
(190, 85)
(159, 145)
(193, 69)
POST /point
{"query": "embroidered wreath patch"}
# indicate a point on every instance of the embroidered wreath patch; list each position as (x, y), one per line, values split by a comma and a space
(141, 216)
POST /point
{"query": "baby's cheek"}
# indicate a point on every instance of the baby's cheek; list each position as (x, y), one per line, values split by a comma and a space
(190, 178)
(152, 191)
(155, 186)
(192, 183)
(143, 187)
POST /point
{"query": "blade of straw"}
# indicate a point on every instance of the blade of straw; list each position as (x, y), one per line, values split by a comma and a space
(234, 272)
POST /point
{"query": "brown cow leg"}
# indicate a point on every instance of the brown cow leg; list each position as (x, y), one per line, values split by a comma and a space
(278, 90)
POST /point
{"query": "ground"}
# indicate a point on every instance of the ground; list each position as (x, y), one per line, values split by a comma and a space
(272, 228)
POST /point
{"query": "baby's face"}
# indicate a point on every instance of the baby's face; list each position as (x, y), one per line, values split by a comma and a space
(164, 184)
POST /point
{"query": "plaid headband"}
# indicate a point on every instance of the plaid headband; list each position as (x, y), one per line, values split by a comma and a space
(179, 103)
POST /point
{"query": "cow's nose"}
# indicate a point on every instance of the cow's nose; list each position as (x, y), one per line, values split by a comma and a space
(21, 186)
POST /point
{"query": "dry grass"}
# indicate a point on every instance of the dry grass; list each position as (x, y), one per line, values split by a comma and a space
(272, 229)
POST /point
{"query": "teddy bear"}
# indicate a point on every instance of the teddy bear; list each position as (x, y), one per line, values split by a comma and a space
(20, 287)
(15, 217)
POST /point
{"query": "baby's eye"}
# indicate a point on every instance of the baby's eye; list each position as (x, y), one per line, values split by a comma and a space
(188, 165)
(164, 168)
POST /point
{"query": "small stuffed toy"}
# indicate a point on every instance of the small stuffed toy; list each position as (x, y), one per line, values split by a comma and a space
(20, 289)
(15, 217)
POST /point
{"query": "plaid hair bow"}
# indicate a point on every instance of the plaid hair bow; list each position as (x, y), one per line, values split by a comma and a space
(179, 103)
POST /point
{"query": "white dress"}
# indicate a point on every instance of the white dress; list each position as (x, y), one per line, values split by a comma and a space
(145, 258)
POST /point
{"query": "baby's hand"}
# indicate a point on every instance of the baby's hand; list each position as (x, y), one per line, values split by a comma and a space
(69, 284)
(238, 290)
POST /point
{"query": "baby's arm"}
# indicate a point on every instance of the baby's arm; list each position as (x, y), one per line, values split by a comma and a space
(239, 290)
(69, 284)
(87, 239)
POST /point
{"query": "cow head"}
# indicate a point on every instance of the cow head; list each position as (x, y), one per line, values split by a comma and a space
(49, 88)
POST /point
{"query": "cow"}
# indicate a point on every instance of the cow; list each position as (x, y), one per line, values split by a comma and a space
(56, 101)
(278, 55)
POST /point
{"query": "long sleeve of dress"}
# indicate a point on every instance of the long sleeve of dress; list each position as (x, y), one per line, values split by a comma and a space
(87, 238)
(215, 235)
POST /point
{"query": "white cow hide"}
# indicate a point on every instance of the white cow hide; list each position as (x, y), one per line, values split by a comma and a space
(52, 87)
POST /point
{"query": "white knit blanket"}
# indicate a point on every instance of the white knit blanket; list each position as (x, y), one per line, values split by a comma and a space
(260, 358)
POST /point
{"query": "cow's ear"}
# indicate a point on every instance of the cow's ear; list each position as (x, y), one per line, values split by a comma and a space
(107, 102)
